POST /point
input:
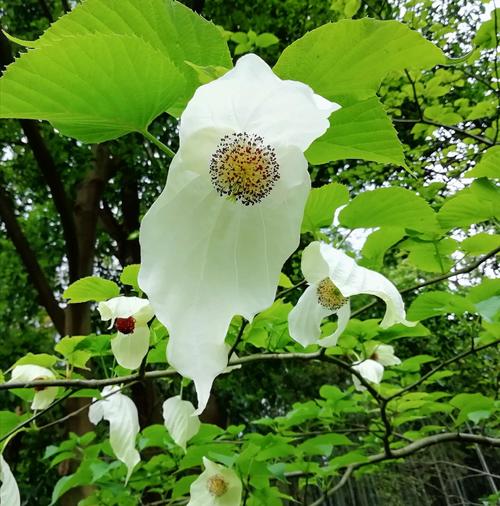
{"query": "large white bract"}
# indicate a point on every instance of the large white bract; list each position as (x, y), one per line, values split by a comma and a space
(130, 316)
(9, 491)
(333, 277)
(372, 368)
(216, 486)
(180, 420)
(214, 242)
(44, 396)
(121, 413)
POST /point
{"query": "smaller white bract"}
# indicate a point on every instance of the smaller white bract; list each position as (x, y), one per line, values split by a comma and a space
(180, 420)
(44, 396)
(216, 486)
(129, 316)
(372, 369)
(121, 413)
(333, 277)
(9, 491)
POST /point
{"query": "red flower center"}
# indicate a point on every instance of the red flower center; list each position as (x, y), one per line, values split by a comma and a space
(125, 325)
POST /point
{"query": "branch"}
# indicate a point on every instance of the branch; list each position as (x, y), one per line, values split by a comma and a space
(464, 270)
(410, 449)
(30, 261)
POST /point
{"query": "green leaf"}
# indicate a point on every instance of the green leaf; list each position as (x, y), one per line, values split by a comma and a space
(321, 205)
(118, 85)
(41, 359)
(67, 347)
(413, 364)
(479, 202)
(474, 407)
(480, 243)
(346, 61)
(129, 276)
(488, 166)
(323, 445)
(9, 421)
(377, 243)
(431, 256)
(266, 40)
(485, 290)
(486, 37)
(167, 26)
(91, 288)
(359, 131)
(388, 207)
(429, 304)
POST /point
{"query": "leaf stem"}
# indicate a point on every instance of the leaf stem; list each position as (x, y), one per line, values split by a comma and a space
(158, 143)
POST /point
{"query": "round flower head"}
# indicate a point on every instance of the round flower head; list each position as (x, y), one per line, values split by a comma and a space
(216, 486)
(9, 491)
(180, 421)
(129, 316)
(214, 242)
(44, 396)
(121, 413)
(333, 277)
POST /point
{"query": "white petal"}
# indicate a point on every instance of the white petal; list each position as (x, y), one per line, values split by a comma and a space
(343, 315)
(121, 413)
(371, 370)
(352, 279)
(200, 493)
(124, 307)
(30, 372)
(251, 98)
(180, 421)
(313, 264)
(44, 398)
(385, 355)
(304, 320)
(9, 491)
(130, 349)
(206, 258)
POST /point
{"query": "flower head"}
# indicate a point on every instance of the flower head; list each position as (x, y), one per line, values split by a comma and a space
(216, 486)
(333, 277)
(121, 413)
(9, 491)
(372, 369)
(129, 316)
(180, 420)
(44, 396)
(214, 242)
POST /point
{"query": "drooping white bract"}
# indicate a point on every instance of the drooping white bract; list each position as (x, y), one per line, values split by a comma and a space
(216, 486)
(372, 369)
(130, 316)
(214, 242)
(121, 413)
(9, 491)
(333, 277)
(180, 420)
(44, 396)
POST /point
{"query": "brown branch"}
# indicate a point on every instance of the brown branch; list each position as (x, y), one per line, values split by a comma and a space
(29, 259)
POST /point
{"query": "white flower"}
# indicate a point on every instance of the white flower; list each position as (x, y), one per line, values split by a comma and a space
(333, 277)
(121, 413)
(216, 486)
(214, 242)
(9, 491)
(44, 396)
(372, 369)
(180, 420)
(130, 316)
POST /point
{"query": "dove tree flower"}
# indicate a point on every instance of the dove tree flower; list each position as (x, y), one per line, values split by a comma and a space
(372, 369)
(216, 486)
(121, 413)
(180, 420)
(333, 277)
(9, 491)
(44, 396)
(214, 242)
(129, 316)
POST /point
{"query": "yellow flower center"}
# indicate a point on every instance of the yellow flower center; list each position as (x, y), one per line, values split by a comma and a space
(243, 168)
(217, 486)
(329, 296)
